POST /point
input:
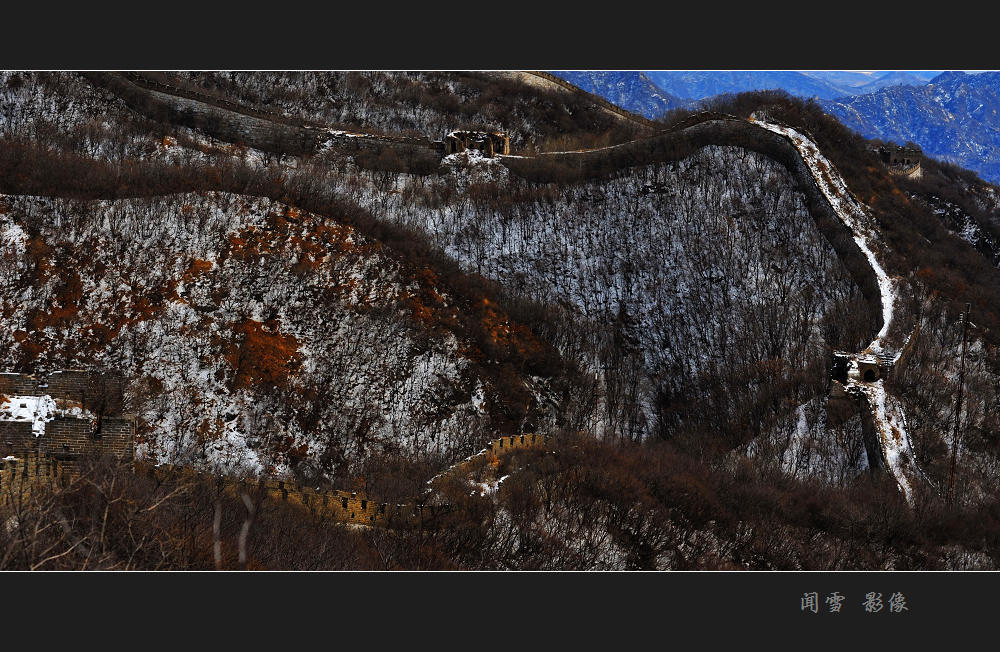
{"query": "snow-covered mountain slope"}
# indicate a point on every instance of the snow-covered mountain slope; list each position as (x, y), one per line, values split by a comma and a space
(853, 215)
(661, 290)
(668, 278)
(257, 336)
(424, 104)
(967, 208)
(614, 312)
(64, 111)
(887, 413)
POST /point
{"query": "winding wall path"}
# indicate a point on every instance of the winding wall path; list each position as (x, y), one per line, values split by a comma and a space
(820, 181)
(886, 411)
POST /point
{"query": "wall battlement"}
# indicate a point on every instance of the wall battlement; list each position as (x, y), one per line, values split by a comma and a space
(901, 161)
(354, 507)
(506, 444)
(20, 476)
(489, 144)
(55, 456)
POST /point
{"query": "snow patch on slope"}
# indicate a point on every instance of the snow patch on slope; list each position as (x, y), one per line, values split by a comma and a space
(890, 425)
(12, 236)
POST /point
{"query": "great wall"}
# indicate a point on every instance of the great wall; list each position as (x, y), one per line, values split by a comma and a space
(356, 507)
(275, 132)
(19, 476)
(57, 453)
(824, 189)
(84, 416)
(867, 371)
(51, 425)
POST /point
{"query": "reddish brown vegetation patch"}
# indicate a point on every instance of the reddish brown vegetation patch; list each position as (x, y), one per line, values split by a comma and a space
(263, 356)
(40, 252)
(516, 338)
(63, 308)
(197, 268)
(102, 334)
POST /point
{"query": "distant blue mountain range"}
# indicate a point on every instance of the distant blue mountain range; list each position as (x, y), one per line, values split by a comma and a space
(700, 84)
(953, 116)
(630, 89)
(821, 84)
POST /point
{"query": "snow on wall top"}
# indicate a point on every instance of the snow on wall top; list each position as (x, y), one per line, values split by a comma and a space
(851, 213)
(38, 410)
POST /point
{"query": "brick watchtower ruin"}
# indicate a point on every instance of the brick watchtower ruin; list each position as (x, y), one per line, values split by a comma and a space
(66, 415)
(902, 161)
(489, 144)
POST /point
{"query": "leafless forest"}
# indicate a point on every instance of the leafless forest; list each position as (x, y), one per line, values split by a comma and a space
(343, 321)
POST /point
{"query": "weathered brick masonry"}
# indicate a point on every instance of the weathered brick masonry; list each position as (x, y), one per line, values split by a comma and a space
(19, 384)
(507, 444)
(19, 477)
(355, 507)
(15, 436)
(99, 393)
(70, 438)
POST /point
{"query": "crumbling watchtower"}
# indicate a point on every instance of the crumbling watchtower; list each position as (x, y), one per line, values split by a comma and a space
(860, 367)
(488, 144)
(66, 416)
(901, 161)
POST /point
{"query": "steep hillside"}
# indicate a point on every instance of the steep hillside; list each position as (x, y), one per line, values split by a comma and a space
(611, 312)
(662, 307)
(63, 112)
(426, 104)
(256, 336)
(669, 282)
(943, 271)
(967, 206)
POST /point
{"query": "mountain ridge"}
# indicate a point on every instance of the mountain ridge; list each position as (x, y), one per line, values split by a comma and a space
(952, 115)
(398, 316)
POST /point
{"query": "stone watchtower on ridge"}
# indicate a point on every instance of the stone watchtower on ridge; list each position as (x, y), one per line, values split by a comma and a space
(902, 161)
